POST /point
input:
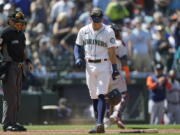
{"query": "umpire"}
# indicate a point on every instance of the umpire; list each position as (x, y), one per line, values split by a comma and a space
(12, 46)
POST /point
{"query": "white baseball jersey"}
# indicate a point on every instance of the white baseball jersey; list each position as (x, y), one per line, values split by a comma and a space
(96, 44)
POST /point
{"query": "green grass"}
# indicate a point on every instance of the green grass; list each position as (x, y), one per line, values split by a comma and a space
(87, 127)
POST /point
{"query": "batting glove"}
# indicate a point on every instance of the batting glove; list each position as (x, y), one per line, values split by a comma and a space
(80, 63)
(115, 72)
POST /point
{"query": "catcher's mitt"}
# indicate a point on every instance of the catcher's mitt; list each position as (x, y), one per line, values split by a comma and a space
(113, 97)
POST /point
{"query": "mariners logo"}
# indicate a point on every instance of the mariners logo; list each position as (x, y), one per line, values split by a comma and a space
(112, 40)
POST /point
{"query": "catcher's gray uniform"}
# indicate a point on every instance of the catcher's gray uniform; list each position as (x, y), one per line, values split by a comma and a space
(173, 99)
(120, 82)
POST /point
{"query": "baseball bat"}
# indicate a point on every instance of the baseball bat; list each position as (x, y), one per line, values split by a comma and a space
(142, 131)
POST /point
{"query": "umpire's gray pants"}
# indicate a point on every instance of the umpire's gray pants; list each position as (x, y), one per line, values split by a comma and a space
(11, 93)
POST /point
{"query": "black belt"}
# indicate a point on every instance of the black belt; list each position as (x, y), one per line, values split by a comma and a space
(96, 61)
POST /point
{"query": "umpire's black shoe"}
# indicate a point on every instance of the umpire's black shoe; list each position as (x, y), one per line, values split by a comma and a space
(99, 129)
(14, 128)
(10, 128)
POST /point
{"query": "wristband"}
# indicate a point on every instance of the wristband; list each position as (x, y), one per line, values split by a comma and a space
(114, 66)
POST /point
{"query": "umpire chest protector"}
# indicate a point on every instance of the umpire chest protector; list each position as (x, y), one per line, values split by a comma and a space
(13, 43)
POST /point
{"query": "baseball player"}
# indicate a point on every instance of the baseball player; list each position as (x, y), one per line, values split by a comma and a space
(157, 84)
(98, 42)
(119, 83)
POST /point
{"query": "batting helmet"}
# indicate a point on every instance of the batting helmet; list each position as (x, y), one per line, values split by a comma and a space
(96, 15)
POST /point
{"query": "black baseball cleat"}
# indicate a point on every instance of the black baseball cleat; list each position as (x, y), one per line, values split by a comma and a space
(99, 129)
(14, 128)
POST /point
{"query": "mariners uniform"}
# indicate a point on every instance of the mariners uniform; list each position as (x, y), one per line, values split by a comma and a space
(98, 66)
(97, 41)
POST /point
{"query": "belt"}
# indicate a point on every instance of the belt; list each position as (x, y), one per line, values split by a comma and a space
(97, 60)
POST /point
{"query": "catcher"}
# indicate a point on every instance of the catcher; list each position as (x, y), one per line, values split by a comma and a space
(117, 96)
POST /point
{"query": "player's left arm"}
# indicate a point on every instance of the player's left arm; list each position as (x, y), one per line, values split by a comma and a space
(111, 42)
(112, 56)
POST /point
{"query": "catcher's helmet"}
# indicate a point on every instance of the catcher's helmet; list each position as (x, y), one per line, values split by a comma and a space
(115, 27)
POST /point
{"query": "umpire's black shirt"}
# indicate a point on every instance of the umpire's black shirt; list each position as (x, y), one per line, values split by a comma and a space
(15, 42)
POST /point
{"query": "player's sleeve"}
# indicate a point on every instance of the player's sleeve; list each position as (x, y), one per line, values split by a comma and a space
(79, 39)
(168, 84)
(151, 84)
(122, 50)
(111, 40)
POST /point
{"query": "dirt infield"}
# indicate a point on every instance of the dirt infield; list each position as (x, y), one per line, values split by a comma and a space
(54, 132)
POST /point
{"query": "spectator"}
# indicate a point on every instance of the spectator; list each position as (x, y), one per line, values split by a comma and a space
(24, 5)
(38, 11)
(177, 60)
(177, 35)
(163, 48)
(140, 49)
(63, 110)
(84, 17)
(69, 39)
(61, 27)
(116, 12)
(8, 9)
(61, 6)
(102, 4)
(162, 6)
(40, 70)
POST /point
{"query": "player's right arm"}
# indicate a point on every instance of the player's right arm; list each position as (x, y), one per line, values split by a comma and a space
(79, 50)
(78, 47)
(151, 84)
